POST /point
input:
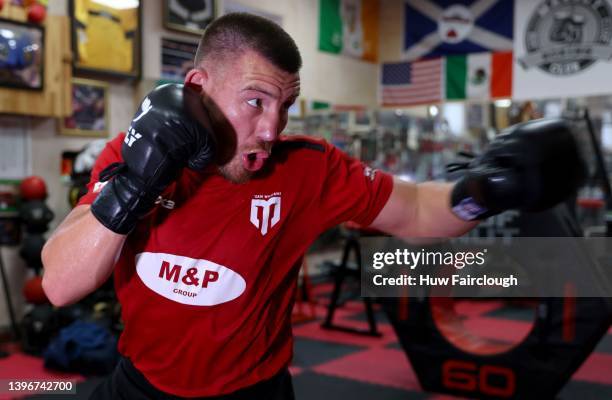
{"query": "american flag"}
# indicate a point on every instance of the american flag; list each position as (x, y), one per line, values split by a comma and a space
(411, 83)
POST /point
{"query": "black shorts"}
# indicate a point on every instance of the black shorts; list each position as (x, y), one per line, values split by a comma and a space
(126, 382)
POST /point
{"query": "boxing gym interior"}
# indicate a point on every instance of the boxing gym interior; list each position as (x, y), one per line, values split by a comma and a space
(418, 89)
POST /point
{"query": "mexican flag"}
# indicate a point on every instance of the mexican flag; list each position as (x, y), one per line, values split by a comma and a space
(479, 76)
(349, 27)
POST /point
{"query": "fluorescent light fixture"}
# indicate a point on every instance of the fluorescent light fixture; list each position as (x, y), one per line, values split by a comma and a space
(503, 103)
(406, 177)
(118, 4)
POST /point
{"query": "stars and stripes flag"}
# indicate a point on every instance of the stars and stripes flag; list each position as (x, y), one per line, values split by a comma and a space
(412, 83)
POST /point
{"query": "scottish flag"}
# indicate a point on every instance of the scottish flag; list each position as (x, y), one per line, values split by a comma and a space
(445, 27)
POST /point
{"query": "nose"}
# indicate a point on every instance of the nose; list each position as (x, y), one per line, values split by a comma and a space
(268, 127)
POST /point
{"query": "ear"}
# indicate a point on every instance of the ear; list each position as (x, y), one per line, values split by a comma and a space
(196, 76)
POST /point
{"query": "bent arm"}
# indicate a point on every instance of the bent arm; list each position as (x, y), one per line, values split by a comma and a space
(420, 210)
(79, 257)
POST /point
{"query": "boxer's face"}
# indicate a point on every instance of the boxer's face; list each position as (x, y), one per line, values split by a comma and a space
(252, 98)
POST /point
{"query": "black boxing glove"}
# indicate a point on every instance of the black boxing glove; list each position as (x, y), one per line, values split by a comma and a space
(530, 167)
(170, 131)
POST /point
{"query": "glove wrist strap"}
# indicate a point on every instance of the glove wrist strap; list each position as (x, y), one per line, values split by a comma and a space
(464, 206)
(121, 204)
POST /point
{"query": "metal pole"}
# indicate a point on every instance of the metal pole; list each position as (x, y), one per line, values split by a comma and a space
(7, 296)
(603, 174)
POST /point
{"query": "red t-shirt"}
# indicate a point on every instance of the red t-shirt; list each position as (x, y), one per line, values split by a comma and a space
(207, 281)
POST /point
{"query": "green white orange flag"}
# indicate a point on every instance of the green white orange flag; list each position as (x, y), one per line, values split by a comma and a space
(349, 27)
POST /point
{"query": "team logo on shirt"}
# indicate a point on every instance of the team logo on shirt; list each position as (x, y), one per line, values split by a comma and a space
(187, 280)
(265, 211)
(369, 173)
(166, 203)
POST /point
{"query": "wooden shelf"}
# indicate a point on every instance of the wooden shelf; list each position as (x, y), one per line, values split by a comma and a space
(54, 100)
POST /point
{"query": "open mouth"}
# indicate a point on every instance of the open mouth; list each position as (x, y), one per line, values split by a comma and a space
(254, 160)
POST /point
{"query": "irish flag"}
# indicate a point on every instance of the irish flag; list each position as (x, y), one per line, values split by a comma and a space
(349, 27)
(479, 76)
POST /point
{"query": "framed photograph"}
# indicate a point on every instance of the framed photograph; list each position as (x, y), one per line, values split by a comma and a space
(176, 58)
(106, 38)
(191, 16)
(89, 110)
(21, 55)
(230, 6)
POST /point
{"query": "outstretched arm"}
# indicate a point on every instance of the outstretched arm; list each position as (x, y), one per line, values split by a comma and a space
(420, 210)
(532, 167)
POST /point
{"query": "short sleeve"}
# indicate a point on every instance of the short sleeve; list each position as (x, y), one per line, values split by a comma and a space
(110, 154)
(351, 190)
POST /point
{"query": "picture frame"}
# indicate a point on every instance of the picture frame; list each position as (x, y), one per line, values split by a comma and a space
(106, 40)
(231, 6)
(189, 16)
(89, 110)
(176, 58)
(22, 48)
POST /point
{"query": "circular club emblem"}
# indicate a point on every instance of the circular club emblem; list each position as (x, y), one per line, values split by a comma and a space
(564, 37)
(455, 24)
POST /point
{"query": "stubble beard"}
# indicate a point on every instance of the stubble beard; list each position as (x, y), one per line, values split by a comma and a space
(234, 172)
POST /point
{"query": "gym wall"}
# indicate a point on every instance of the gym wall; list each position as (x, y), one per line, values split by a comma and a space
(338, 80)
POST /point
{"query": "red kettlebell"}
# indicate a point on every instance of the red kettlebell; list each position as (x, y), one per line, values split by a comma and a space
(33, 291)
(33, 188)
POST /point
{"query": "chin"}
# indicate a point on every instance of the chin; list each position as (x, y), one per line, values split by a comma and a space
(235, 173)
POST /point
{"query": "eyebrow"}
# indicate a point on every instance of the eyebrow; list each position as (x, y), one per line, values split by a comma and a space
(259, 89)
(292, 99)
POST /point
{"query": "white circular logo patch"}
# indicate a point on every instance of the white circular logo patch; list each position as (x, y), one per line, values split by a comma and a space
(187, 280)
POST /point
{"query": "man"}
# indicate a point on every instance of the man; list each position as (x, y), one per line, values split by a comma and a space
(204, 212)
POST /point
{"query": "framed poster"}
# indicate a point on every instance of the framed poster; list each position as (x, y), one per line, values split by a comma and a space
(230, 6)
(89, 109)
(106, 39)
(176, 58)
(21, 55)
(191, 16)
